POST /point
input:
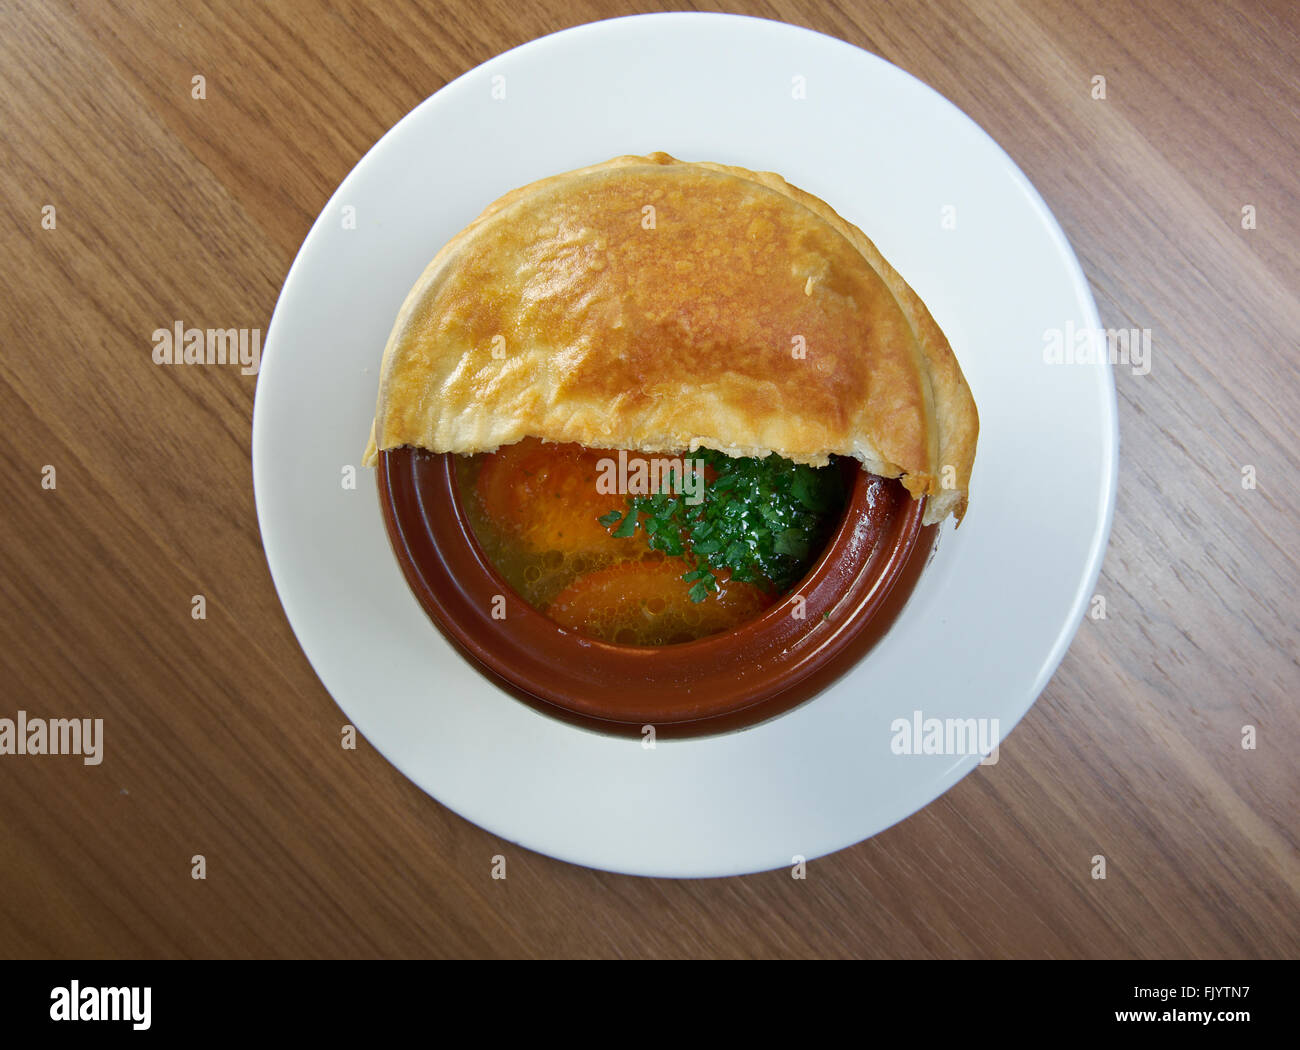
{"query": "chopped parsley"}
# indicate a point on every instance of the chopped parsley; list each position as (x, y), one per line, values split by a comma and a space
(764, 520)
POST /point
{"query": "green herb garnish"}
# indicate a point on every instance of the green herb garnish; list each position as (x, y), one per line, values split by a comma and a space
(761, 519)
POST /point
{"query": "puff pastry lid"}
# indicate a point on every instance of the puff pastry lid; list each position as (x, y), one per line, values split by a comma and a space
(652, 304)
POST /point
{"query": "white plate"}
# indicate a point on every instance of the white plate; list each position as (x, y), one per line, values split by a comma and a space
(992, 616)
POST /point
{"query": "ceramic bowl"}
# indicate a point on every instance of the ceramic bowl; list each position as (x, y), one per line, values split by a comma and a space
(725, 681)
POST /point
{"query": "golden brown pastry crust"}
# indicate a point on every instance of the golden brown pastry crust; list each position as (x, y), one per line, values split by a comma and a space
(653, 304)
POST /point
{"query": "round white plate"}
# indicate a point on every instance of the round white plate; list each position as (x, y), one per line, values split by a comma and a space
(993, 614)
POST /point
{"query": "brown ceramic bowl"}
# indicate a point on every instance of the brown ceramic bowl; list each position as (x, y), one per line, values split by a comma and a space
(725, 681)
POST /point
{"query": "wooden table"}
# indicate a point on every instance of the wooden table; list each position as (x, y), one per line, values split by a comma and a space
(224, 743)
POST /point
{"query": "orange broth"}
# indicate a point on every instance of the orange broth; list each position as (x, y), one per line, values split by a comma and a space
(534, 508)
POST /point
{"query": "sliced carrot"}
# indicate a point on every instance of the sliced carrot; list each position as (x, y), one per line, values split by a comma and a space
(646, 602)
(544, 496)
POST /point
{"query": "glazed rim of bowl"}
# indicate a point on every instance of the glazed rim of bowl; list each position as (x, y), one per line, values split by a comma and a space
(718, 677)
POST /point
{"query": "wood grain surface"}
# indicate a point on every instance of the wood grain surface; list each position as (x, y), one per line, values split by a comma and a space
(224, 743)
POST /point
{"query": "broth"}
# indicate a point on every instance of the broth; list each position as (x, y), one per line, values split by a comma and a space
(535, 510)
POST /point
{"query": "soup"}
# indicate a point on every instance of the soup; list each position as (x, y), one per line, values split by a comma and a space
(642, 549)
